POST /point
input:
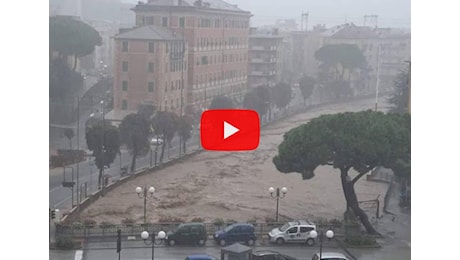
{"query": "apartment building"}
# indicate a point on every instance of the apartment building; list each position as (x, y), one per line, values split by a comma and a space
(150, 67)
(385, 50)
(265, 58)
(217, 37)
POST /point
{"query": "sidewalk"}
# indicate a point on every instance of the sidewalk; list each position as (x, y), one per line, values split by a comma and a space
(396, 231)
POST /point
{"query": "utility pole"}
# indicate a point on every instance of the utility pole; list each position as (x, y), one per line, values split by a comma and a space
(78, 149)
(304, 17)
(379, 51)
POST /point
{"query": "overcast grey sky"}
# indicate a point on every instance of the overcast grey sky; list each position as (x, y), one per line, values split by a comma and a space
(394, 13)
(391, 13)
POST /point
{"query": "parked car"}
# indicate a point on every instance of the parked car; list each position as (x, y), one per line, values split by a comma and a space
(329, 256)
(200, 257)
(156, 141)
(187, 233)
(293, 232)
(238, 232)
(270, 255)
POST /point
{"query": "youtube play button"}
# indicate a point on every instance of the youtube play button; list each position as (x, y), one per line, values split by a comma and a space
(230, 130)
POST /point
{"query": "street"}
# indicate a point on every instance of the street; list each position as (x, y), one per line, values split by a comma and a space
(61, 197)
(138, 250)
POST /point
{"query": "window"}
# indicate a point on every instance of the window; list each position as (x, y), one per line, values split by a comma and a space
(124, 85)
(150, 67)
(292, 230)
(124, 47)
(151, 86)
(166, 86)
(306, 229)
(164, 21)
(124, 66)
(124, 104)
(204, 60)
(151, 47)
(182, 22)
(194, 230)
(166, 105)
(149, 20)
(177, 102)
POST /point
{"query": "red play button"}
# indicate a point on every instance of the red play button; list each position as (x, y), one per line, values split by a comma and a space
(230, 130)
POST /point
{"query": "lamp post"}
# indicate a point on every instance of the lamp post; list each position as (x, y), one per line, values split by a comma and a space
(145, 193)
(145, 236)
(329, 235)
(278, 195)
(103, 145)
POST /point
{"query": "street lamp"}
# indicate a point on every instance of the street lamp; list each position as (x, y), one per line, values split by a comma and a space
(329, 235)
(103, 145)
(145, 236)
(278, 195)
(145, 193)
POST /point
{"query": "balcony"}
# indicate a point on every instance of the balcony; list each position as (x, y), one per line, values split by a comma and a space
(262, 60)
(262, 73)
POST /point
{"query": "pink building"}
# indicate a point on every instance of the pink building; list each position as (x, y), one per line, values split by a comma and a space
(217, 36)
(150, 67)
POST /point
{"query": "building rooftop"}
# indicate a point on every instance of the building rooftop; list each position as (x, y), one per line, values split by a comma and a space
(149, 32)
(351, 31)
(211, 4)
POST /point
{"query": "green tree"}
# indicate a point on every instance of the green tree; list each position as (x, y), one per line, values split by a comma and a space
(258, 99)
(134, 133)
(146, 110)
(400, 97)
(307, 85)
(71, 37)
(337, 59)
(184, 129)
(281, 95)
(68, 132)
(221, 102)
(99, 136)
(165, 125)
(362, 141)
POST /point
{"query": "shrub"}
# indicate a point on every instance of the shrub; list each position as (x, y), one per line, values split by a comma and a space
(230, 221)
(335, 222)
(65, 243)
(170, 219)
(198, 219)
(252, 221)
(89, 223)
(106, 224)
(270, 220)
(77, 225)
(128, 221)
(218, 221)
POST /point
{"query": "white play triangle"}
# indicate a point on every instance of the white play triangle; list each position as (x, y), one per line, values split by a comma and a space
(229, 130)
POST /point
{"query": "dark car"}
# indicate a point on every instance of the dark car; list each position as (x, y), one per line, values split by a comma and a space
(270, 255)
(188, 233)
(238, 232)
(200, 257)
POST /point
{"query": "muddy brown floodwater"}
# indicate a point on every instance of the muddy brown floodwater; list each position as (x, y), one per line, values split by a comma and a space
(234, 185)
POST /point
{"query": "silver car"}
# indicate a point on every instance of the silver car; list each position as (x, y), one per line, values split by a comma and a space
(293, 232)
(329, 256)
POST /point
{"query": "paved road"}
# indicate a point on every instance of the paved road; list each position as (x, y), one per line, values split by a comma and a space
(138, 250)
(60, 197)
